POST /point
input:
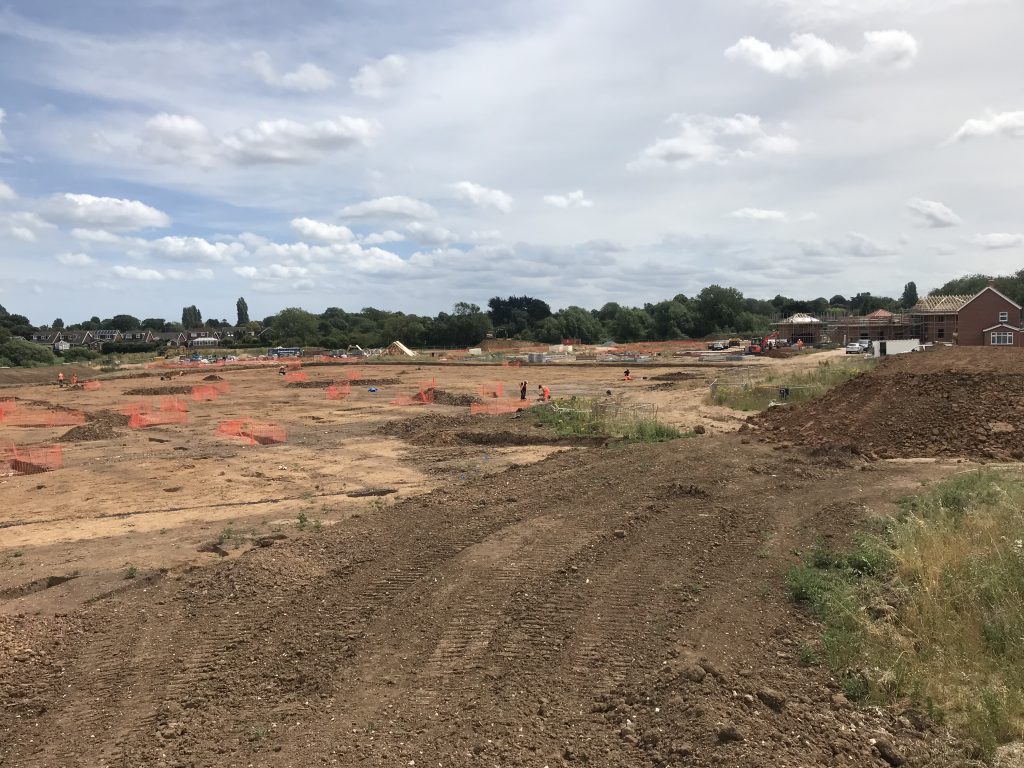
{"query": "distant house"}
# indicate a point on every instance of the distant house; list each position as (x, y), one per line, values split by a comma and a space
(802, 327)
(989, 318)
(204, 341)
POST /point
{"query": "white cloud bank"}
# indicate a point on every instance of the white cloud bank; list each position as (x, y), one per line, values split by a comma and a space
(6, 193)
(375, 79)
(999, 240)
(176, 138)
(1007, 124)
(389, 207)
(322, 232)
(890, 49)
(759, 214)
(932, 214)
(307, 77)
(572, 200)
(109, 213)
(710, 139)
(483, 197)
(75, 259)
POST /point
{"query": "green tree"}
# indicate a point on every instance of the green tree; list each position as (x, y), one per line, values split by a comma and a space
(718, 309)
(243, 312)
(909, 297)
(191, 317)
(295, 326)
(57, 325)
(154, 323)
(123, 323)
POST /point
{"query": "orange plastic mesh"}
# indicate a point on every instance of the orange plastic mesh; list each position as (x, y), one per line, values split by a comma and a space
(296, 376)
(31, 461)
(221, 386)
(293, 364)
(335, 392)
(157, 418)
(497, 389)
(204, 393)
(7, 406)
(173, 404)
(91, 385)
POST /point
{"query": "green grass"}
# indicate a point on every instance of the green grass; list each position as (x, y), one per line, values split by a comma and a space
(131, 572)
(930, 612)
(580, 416)
(756, 395)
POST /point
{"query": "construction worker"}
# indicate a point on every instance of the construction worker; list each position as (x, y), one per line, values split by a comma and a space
(626, 376)
(522, 390)
(60, 379)
(74, 379)
(545, 393)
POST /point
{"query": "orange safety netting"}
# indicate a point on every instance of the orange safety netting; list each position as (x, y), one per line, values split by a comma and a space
(296, 376)
(90, 385)
(335, 392)
(7, 406)
(23, 418)
(498, 407)
(221, 386)
(171, 410)
(253, 432)
(204, 393)
(353, 374)
(31, 461)
(173, 404)
(497, 389)
(424, 397)
(293, 364)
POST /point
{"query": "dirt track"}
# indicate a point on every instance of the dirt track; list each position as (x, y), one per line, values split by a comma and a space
(605, 606)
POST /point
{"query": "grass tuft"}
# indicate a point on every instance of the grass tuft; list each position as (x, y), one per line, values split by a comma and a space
(931, 611)
(757, 395)
(580, 416)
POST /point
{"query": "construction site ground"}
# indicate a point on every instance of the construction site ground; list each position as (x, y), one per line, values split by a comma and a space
(413, 585)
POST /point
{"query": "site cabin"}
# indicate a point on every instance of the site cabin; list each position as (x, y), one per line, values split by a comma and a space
(894, 347)
(205, 341)
(285, 352)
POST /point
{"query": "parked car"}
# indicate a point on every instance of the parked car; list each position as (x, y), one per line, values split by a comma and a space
(718, 346)
(854, 349)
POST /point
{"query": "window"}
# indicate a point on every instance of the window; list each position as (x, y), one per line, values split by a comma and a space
(1004, 317)
(1002, 339)
(942, 333)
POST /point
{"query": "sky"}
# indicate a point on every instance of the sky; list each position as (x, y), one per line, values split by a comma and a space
(408, 155)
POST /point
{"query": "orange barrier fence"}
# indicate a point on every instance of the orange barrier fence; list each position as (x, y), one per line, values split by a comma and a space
(173, 404)
(171, 410)
(354, 373)
(204, 393)
(424, 397)
(221, 386)
(27, 418)
(498, 407)
(296, 376)
(7, 406)
(90, 385)
(335, 392)
(497, 389)
(32, 461)
(293, 364)
(253, 432)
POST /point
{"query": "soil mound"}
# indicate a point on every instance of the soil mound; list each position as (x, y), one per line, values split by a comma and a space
(213, 377)
(966, 403)
(441, 397)
(100, 425)
(174, 389)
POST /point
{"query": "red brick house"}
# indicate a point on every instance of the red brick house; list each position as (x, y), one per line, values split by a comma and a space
(990, 319)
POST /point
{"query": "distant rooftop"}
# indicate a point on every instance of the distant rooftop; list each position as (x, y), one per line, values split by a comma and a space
(941, 303)
(801, 318)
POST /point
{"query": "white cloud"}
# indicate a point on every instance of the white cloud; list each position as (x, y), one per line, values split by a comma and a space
(24, 225)
(6, 193)
(387, 236)
(710, 139)
(483, 197)
(137, 273)
(818, 11)
(1009, 124)
(98, 236)
(932, 214)
(759, 214)
(321, 232)
(180, 138)
(271, 271)
(375, 79)
(307, 77)
(572, 200)
(104, 212)
(427, 233)
(998, 240)
(809, 53)
(174, 248)
(75, 259)
(287, 141)
(390, 207)
(862, 246)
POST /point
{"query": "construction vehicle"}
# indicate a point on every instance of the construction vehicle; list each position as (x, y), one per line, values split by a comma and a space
(760, 345)
(735, 342)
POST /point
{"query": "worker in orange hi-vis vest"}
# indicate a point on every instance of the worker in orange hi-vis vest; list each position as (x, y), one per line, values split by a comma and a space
(545, 393)
(60, 379)
(74, 379)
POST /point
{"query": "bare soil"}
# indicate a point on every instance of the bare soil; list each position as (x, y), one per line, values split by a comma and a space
(419, 586)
